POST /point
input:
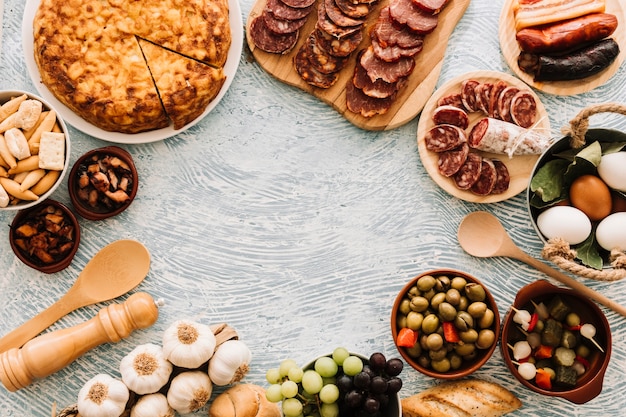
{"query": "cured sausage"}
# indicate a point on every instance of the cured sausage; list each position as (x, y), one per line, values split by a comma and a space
(497, 89)
(391, 53)
(504, 103)
(340, 47)
(298, 4)
(524, 109)
(452, 100)
(503, 178)
(441, 138)
(281, 26)
(354, 10)
(309, 73)
(483, 95)
(498, 136)
(468, 94)
(579, 64)
(360, 103)
(450, 162)
(387, 71)
(469, 172)
(407, 13)
(327, 25)
(487, 179)
(566, 35)
(378, 88)
(390, 33)
(451, 115)
(320, 59)
(269, 41)
(338, 17)
(431, 6)
(285, 12)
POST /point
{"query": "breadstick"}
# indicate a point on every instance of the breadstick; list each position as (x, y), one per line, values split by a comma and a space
(19, 178)
(32, 177)
(28, 164)
(46, 125)
(3, 172)
(46, 182)
(11, 106)
(6, 154)
(29, 132)
(4, 197)
(13, 188)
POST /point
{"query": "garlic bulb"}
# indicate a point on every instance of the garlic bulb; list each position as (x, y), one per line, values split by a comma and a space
(229, 363)
(189, 391)
(152, 405)
(188, 344)
(102, 396)
(145, 370)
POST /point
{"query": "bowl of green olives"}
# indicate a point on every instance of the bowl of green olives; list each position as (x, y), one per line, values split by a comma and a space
(556, 342)
(445, 323)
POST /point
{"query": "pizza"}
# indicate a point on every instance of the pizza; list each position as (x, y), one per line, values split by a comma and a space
(133, 66)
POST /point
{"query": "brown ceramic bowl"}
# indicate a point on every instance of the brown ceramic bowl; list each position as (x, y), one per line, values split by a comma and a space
(64, 237)
(589, 384)
(92, 198)
(463, 362)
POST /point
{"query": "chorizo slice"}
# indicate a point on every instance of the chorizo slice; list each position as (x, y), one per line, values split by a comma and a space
(503, 178)
(524, 109)
(339, 17)
(496, 90)
(309, 73)
(285, 12)
(441, 138)
(281, 26)
(352, 9)
(359, 102)
(391, 53)
(483, 93)
(387, 71)
(299, 4)
(268, 41)
(322, 60)
(328, 26)
(468, 95)
(407, 13)
(451, 161)
(469, 172)
(452, 100)
(487, 179)
(451, 115)
(504, 103)
(339, 47)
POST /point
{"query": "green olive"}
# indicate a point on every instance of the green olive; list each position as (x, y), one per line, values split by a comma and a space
(443, 283)
(486, 338)
(469, 336)
(413, 292)
(437, 355)
(414, 320)
(464, 349)
(422, 341)
(434, 342)
(455, 361)
(447, 312)
(453, 296)
(401, 321)
(583, 351)
(442, 365)
(572, 319)
(429, 294)
(419, 304)
(414, 351)
(405, 306)
(430, 324)
(426, 283)
(477, 309)
(539, 326)
(463, 321)
(475, 292)
(439, 298)
(424, 361)
(458, 283)
(463, 303)
(487, 319)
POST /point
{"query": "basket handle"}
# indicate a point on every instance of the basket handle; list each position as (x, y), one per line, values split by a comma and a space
(578, 125)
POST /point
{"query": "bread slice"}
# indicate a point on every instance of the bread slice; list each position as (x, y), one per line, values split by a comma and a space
(464, 398)
(243, 400)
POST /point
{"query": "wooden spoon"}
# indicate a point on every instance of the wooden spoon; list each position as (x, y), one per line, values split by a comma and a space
(481, 234)
(113, 271)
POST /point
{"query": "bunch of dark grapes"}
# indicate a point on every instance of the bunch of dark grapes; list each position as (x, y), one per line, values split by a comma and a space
(368, 393)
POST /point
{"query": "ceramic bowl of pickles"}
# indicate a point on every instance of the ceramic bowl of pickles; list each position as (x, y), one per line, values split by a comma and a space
(556, 342)
(445, 323)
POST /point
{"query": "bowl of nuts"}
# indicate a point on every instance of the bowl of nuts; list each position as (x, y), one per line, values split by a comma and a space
(103, 182)
(445, 324)
(46, 236)
(34, 150)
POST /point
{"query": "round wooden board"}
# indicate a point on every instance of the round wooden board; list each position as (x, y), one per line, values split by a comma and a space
(520, 167)
(410, 100)
(510, 50)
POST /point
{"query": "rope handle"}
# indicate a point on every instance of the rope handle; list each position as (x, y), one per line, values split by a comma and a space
(578, 125)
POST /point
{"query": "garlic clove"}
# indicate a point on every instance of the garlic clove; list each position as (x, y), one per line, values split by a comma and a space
(152, 405)
(102, 396)
(230, 362)
(145, 370)
(188, 344)
(189, 391)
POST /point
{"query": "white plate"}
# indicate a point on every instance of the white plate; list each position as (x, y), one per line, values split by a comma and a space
(232, 63)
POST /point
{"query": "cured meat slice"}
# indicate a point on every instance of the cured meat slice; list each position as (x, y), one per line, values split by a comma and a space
(452, 100)
(309, 74)
(431, 6)
(352, 9)
(498, 136)
(469, 172)
(285, 12)
(441, 138)
(340, 47)
(391, 53)
(387, 71)
(390, 33)
(378, 88)
(322, 60)
(468, 94)
(407, 13)
(339, 17)
(497, 89)
(504, 103)
(483, 93)
(281, 26)
(503, 178)
(487, 179)
(360, 103)
(328, 26)
(299, 4)
(451, 115)
(269, 41)
(450, 162)
(524, 109)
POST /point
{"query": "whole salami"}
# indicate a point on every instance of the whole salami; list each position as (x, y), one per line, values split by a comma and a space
(498, 136)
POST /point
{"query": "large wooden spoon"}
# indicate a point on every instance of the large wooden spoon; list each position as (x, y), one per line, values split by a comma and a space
(481, 234)
(113, 271)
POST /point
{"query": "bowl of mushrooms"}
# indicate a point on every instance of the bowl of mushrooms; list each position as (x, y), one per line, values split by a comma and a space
(103, 182)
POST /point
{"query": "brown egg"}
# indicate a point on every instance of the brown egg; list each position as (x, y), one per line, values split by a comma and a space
(592, 196)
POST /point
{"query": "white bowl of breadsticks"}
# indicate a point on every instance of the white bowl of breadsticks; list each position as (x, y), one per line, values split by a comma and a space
(34, 149)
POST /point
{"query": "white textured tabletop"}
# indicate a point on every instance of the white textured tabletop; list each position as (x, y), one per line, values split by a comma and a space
(280, 218)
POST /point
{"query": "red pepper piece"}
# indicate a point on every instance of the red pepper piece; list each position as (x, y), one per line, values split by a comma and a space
(544, 352)
(582, 360)
(534, 318)
(406, 337)
(450, 333)
(542, 379)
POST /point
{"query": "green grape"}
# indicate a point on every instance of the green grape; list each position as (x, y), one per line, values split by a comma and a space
(289, 389)
(292, 407)
(329, 394)
(274, 393)
(326, 367)
(340, 354)
(285, 366)
(352, 365)
(328, 410)
(312, 381)
(329, 380)
(295, 374)
(273, 376)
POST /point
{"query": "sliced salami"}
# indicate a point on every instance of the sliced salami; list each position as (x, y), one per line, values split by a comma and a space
(269, 41)
(353, 10)
(500, 137)
(339, 17)
(281, 26)
(360, 103)
(431, 6)
(407, 13)
(391, 53)
(387, 71)
(322, 60)
(504, 103)
(309, 73)
(451, 115)
(487, 179)
(285, 12)
(503, 178)
(497, 89)
(441, 138)
(339, 47)
(483, 94)
(524, 109)
(328, 26)
(468, 94)
(390, 33)
(377, 89)
(299, 4)
(452, 100)
(469, 172)
(450, 162)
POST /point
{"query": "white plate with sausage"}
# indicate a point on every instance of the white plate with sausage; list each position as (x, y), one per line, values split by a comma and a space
(518, 167)
(511, 51)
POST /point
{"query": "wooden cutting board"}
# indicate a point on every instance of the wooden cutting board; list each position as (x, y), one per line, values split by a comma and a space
(410, 100)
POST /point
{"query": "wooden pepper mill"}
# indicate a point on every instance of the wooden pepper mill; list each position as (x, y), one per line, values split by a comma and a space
(51, 352)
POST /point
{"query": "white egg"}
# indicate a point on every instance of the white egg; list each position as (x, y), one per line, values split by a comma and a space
(566, 222)
(611, 231)
(612, 170)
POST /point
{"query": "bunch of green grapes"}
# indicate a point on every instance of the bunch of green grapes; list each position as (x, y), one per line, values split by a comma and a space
(338, 385)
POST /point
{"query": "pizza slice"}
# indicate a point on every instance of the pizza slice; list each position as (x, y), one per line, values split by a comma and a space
(186, 86)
